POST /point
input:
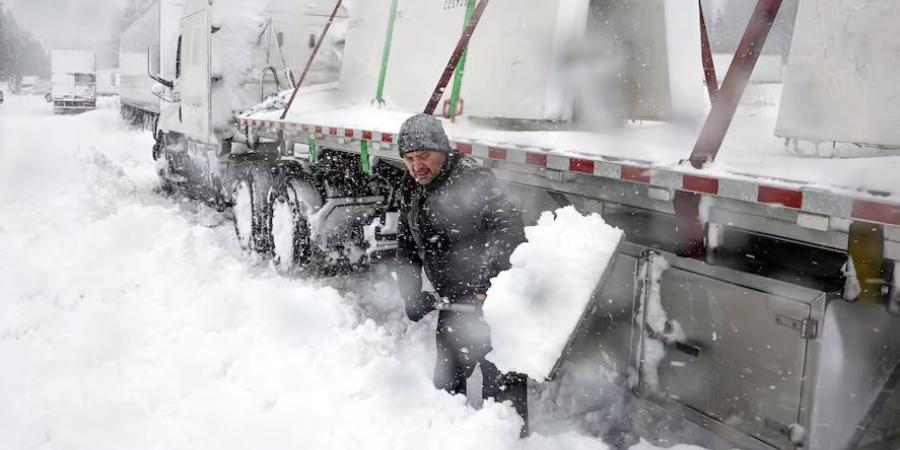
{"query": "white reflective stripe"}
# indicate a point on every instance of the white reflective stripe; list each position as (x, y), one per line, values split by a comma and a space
(556, 162)
(658, 193)
(827, 203)
(608, 170)
(664, 178)
(480, 150)
(738, 190)
(516, 155)
(813, 221)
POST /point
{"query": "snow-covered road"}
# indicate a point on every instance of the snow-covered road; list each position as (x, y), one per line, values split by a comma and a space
(131, 320)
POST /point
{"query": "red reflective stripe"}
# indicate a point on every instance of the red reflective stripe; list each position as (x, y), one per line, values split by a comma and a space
(638, 174)
(700, 184)
(536, 159)
(318, 129)
(281, 125)
(348, 133)
(252, 123)
(581, 165)
(876, 212)
(387, 137)
(332, 131)
(778, 196)
(305, 127)
(367, 135)
(496, 153)
(465, 149)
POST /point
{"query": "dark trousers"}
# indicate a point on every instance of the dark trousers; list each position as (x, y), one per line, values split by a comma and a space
(463, 340)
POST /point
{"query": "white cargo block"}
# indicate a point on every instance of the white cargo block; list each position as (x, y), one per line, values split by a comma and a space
(516, 62)
(362, 54)
(768, 69)
(841, 76)
(511, 64)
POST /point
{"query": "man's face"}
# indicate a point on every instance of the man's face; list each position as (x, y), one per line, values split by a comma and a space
(424, 166)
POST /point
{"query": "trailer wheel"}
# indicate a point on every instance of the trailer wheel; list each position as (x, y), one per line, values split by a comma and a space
(291, 204)
(158, 145)
(245, 222)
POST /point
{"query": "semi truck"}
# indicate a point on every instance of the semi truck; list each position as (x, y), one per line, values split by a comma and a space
(280, 34)
(766, 235)
(73, 83)
(148, 47)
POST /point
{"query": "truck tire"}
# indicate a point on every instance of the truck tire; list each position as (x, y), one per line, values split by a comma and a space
(246, 213)
(158, 145)
(291, 205)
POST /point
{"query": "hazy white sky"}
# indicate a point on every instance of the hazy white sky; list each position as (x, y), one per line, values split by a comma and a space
(66, 22)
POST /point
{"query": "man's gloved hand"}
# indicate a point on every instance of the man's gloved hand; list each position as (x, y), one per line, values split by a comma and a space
(419, 307)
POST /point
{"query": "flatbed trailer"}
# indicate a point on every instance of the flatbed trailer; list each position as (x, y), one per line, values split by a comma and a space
(782, 286)
(771, 276)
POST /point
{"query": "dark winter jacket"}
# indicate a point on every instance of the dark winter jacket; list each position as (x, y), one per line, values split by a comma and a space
(460, 228)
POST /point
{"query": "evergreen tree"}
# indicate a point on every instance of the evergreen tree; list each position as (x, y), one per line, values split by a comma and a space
(20, 53)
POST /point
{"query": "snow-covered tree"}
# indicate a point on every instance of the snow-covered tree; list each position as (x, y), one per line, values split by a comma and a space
(20, 53)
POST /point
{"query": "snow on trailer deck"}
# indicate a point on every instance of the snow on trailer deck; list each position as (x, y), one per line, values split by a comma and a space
(753, 165)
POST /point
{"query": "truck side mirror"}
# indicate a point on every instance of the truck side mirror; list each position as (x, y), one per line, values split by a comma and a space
(153, 69)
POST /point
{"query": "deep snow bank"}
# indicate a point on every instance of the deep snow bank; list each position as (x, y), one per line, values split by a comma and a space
(533, 307)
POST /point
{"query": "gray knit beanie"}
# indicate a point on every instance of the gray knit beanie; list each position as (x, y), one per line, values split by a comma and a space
(423, 132)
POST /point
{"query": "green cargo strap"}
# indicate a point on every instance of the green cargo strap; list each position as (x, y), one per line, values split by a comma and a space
(386, 53)
(312, 149)
(364, 156)
(457, 77)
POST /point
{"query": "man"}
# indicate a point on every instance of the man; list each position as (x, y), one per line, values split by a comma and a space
(455, 222)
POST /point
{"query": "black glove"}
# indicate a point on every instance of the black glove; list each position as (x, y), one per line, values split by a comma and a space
(419, 307)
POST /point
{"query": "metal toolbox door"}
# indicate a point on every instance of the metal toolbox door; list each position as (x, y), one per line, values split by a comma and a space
(730, 352)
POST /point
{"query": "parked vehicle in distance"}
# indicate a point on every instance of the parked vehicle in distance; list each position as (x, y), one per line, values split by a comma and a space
(108, 81)
(73, 81)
